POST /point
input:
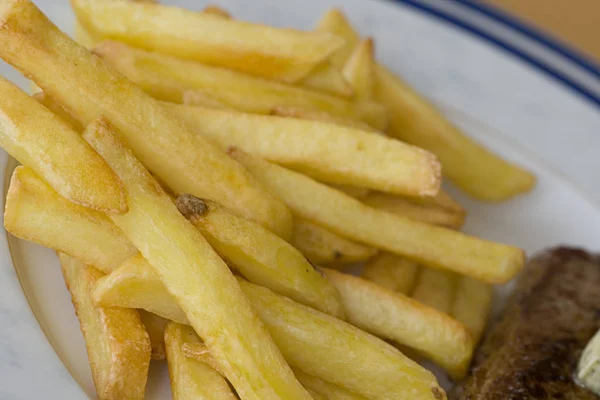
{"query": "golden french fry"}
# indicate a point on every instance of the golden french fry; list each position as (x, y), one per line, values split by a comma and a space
(191, 379)
(323, 247)
(217, 11)
(359, 71)
(415, 210)
(335, 22)
(36, 212)
(396, 317)
(391, 272)
(39, 139)
(171, 79)
(471, 166)
(155, 326)
(196, 276)
(261, 256)
(468, 164)
(472, 305)
(314, 342)
(89, 87)
(315, 115)
(281, 54)
(327, 78)
(117, 344)
(436, 289)
(58, 110)
(328, 152)
(425, 244)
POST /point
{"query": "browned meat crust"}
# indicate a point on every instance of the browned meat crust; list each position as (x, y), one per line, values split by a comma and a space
(532, 351)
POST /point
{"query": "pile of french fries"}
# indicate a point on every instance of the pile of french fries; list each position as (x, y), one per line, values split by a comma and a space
(205, 180)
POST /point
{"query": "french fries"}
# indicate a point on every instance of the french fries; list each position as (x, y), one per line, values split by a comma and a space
(191, 379)
(314, 115)
(155, 326)
(436, 289)
(428, 211)
(89, 87)
(117, 344)
(195, 275)
(261, 256)
(280, 54)
(316, 343)
(391, 272)
(329, 152)
(472, 305)
(396, 317)
(359, 71)
(171, 79)
(425, 244)
(469, 165)
(36, 212)
(39, 139)
(323, 247)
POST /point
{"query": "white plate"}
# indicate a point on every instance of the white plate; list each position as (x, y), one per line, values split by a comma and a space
(529, 99)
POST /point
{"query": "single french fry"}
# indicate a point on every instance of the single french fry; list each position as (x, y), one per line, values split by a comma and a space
(171, 79)
(391, 272)
(335, 22)
(327, 78)
(117, 344)
(191, 379)
(261, 256)
(281, 54)
(316, 343)
(443, 200)
(425, 244)
(217, 11)
(436, 289)
(58, 110)
(155, 326)
(328, 152)
(195, 275)
(394, 316)
(324, 247)
(472, 167)
(315, 115)
(39, 139)
(36, 212)
(89, 87)
(198, 351)
(359, 71)
(472, 305)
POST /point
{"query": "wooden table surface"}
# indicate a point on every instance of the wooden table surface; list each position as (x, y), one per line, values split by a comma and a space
(575, 22)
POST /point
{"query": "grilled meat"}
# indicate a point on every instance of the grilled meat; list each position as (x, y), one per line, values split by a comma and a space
(533, 350)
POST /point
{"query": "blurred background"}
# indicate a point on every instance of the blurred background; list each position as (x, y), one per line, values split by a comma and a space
(576, 22)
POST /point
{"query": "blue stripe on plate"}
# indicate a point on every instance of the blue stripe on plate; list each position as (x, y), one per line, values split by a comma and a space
(537, 35)
(557, 75)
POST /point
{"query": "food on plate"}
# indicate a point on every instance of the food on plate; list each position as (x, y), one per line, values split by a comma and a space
(472, 305)
(190, 378)
(359, 71)
(588, 371)
(436, 289)
(155, 326)
(34, 211)
(281, 54)
(89, 87)
(39, 139)
(260, 255)
(414, 120)
(391, 272)
(172, 79)
(396, 317)
(323, 247)
(418, 209)
(314, 342)
(328, 152)
(426, 244)
(196, 276)
(117, 344)
(532, 351)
